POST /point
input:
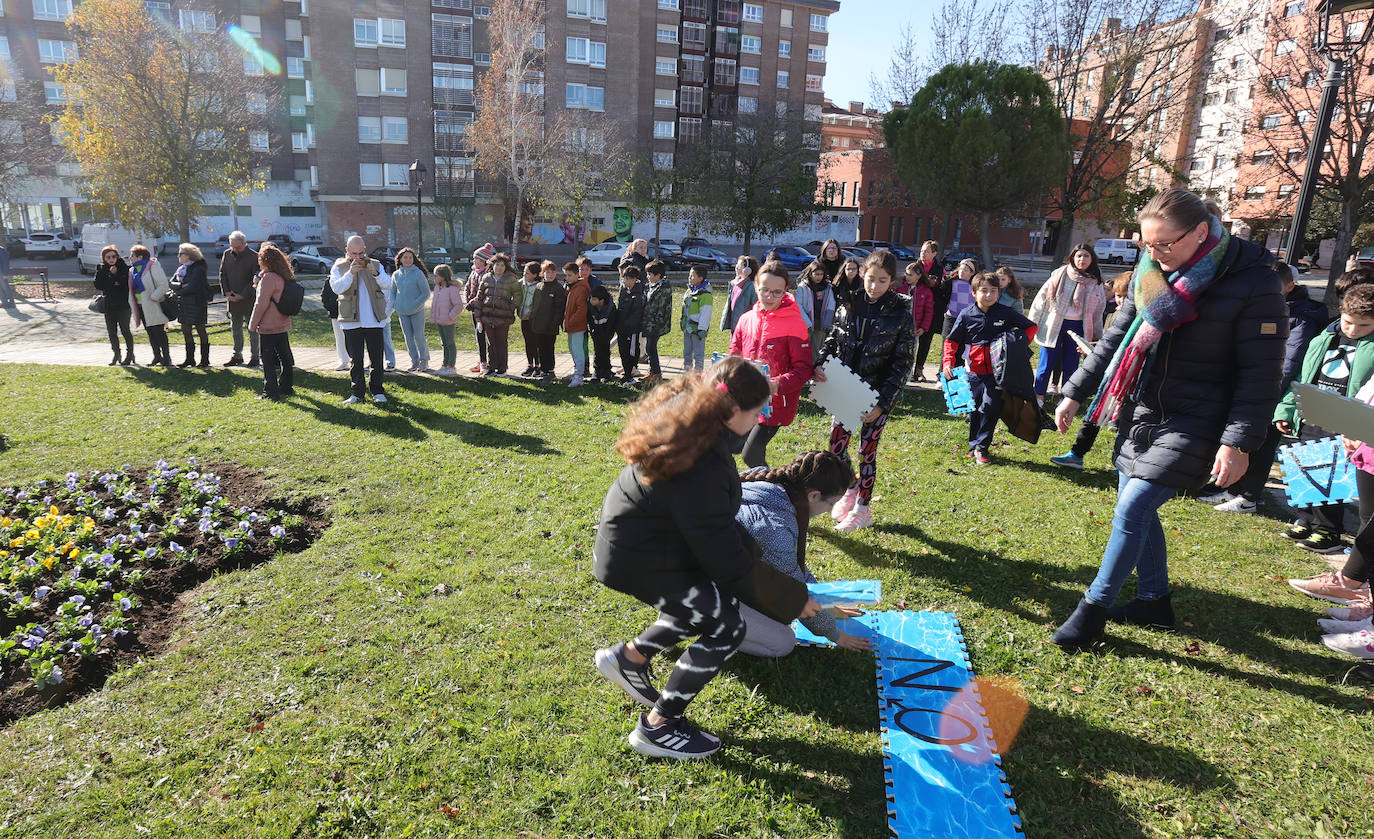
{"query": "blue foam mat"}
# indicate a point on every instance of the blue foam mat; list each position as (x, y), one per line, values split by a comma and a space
(1317, 472)
(958, 394)
(839, 591)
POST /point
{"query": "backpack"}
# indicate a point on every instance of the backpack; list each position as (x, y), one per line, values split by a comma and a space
(291, 298)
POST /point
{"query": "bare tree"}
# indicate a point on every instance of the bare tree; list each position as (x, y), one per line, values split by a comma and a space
(906, 72)
(1285, 114)
(509, 133)
(25, 148)
(590, 165)
(655, 188)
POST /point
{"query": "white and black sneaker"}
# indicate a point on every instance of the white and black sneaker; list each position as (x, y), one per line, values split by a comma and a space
(634, 679)
(676, 739)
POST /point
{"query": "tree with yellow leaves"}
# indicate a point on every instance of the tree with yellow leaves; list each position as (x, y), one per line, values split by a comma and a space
(159, 119)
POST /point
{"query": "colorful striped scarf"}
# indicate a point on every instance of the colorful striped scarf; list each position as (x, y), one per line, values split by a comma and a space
(1161, 305)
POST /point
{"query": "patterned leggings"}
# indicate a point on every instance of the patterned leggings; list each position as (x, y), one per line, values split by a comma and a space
(701, 610)
(868, 451)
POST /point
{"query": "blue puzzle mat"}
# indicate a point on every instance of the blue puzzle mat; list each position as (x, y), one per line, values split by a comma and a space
(943, 772)
(1317, 472)
(844, 592)
(958, 396)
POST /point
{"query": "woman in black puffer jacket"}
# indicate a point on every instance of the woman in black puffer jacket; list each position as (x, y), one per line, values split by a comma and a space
(112, 280)
(192, 286)
(1190, 370)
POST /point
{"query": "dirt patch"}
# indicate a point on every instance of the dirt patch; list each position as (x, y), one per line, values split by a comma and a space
(33, 290)
(112, 562)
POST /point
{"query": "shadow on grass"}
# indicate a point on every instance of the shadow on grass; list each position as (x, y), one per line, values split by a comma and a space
(1237, 623)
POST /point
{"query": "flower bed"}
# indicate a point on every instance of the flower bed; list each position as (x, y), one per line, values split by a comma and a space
(90, 566)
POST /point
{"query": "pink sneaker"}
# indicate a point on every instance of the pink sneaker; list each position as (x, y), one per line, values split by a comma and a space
(1328, 587)
(846, 503)
(1351, 613)
(1359, 644)
(858, 518)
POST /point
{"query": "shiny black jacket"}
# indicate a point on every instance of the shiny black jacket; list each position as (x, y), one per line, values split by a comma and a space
(193, 293)
(879, 345)
(114, 284)
(1214, 380)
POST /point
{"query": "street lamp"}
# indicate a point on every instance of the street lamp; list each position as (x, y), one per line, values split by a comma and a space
(417, 181)
(1337, 52)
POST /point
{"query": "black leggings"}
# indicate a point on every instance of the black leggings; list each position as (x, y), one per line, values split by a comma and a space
(756, 445)
(157, 336)
(117, 323)
(703, 611)
(651, 352)
(188, 333)
(923, 348)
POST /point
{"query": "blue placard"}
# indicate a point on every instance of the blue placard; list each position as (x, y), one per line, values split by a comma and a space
(958, 397)
(762, 365)
(846, 591)
(1317, 472)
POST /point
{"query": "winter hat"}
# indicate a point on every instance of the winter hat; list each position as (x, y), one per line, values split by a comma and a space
(484, 253)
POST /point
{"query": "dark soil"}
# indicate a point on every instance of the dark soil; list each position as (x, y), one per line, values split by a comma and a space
(159, 593)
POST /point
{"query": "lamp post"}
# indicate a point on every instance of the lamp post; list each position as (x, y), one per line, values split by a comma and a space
(417, 181)
(1336, 52)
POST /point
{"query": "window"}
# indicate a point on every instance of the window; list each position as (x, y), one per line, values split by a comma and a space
(190, 20)
(295, 106)
(452, 84)
(1218, 162)
(815, 54)
(1271, 121)
(1285, 190)
(689, 129)
(815, 82)
(296, 212)
(299, 142)
(450, 132)
(594, 10)
(1293, 9)
(293, 30)
(393, 80)
(295, 67)
(483, 58)
(257, 141)
(1310, 79)
(1302, 118)
(1230, 96)
(1255, 191)
(366, 81)
(691, 100)
(1197, 166)
(1286, 47)
(53, 52)
(694, 36)
(751, 44)
(818, 23)
(693, 69)
(398, 176)
(1238, 63)
(369, 129)
(451, 35)
(596, 54)
(811, 113)
(748, 105)
(748, 75)
(53, 93)
(663, 129)
(252, 66)
(1279, 84)
(394, 130)
(257, 103)
(785, 19)
(251, 23)
(1353, 31)
(1262, 158)
(585, 140)
(668, 4)
(665, 98)
(393, 32)
(481, 12)
(784, 49)
(663, 160)
(753, 12)
(665, 66)
(577, 51)
(369, 175)
(364, 35)
(585, 97)
(160, 10)
(725, 72)
(667, 34)
(784, 79)
(1295, 156)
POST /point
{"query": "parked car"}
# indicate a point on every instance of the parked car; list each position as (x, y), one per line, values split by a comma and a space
(386, 254)
(1117, 251)
(694, 242)
(605, 255)
(221, 245)
(856, 252)
(898, 251)
(97, 235)
(49, 244)
(954, 257)
(664, 248)
(793, 256)
(283, 241)
(14, 242)
(713, 259)
(314, 259)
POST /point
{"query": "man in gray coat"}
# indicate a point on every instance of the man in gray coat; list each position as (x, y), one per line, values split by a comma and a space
(237, 269)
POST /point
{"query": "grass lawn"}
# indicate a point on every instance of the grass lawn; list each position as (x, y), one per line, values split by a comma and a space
(334, 693)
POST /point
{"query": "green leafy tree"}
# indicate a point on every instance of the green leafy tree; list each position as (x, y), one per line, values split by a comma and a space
(983, 137)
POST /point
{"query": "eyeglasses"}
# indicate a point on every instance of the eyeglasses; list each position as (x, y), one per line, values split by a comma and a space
(772, 292)
(1163, 247)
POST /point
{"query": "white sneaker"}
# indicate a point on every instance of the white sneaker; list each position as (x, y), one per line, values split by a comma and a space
(859, 518)
(352, 400)
(1216, 498)
(342, 367)
(576, 382)
(1359, 643)
(446, 371)
(842, 508)
(1238, 504)
(379, 398)
(1335, 627)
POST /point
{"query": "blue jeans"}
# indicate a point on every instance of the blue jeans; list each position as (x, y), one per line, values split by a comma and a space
(982, 423)
(388, 348)
(1136, 543)
(413, 328)
(1063, 356)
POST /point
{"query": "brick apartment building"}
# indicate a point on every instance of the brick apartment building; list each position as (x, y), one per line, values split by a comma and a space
(370, 86)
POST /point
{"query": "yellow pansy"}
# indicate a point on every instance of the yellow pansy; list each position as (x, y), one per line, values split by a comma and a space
(53, 509)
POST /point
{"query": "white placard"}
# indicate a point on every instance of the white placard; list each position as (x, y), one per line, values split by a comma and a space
(844, 395)
(1334, 413)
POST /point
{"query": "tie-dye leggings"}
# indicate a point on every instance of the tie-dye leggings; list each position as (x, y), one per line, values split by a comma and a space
(701, 610)
(868, 451)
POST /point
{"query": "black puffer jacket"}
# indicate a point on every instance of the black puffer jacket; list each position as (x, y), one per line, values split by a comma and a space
(879, 344)
(1214, 380)
(114, 284)
(193, 293)
(681, 532)
(1306, 319)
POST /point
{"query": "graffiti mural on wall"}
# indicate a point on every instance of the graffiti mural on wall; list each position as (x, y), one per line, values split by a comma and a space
(548, 232)
(623, 223)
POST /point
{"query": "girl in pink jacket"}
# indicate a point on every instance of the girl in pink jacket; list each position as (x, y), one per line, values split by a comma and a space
(444, 308)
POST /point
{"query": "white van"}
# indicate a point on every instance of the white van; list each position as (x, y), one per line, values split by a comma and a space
(94, 238)
(1117, 251)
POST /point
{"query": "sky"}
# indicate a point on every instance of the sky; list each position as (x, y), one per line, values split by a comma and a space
(861, 37)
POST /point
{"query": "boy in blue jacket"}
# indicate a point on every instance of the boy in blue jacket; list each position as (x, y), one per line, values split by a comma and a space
(978, 327)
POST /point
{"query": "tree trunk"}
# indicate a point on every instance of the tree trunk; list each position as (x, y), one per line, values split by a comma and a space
(985, 233)
(1345, 234)
(515, 233)
(748, 238)
(1065, 240)
(945, 221)
(658, 232)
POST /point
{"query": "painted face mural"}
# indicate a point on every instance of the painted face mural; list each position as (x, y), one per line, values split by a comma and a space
(622, 223)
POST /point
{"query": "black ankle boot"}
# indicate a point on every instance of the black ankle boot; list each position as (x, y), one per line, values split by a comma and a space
(116, 359)
(189, 362)
(128, 357)
(1083, 627)
(1157, 614)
